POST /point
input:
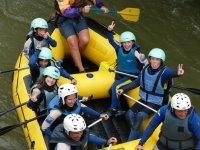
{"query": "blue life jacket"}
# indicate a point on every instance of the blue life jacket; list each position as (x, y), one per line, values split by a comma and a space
(151, 89)
(127, 62)
(55, 104)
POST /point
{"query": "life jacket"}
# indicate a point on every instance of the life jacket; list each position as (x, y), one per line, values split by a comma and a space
(151, 89)
(175, 133)
(66, 4)
(127, 62)
(56, 103)
(45, 96)
(35, 41)
(59, 136)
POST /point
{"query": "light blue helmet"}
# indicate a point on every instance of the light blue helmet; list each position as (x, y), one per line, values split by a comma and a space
(39, 23)
(52, 71)
(45, 53)
(127, 36)
(157, 53)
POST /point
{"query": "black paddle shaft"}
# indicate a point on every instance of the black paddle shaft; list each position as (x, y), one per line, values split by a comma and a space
(5, 112)
(192, 90)
(6, 129)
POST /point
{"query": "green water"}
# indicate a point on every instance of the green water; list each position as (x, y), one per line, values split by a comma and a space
(173, 25)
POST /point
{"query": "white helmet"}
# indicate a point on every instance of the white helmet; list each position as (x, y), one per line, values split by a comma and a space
(66, 90)
(74, 123)
(180, 101)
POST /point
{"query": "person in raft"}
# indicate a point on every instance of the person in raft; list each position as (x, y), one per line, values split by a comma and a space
(38, 37)
(73, 26)
(73, 134)
(44, 90)
(66, 102)
(128, 60)
(42, 59)
(155, 85)
(180, 129)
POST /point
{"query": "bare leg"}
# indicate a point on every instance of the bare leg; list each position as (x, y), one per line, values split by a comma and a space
(75, 53)
(84, 38)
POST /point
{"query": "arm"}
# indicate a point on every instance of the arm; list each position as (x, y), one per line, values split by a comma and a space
(167, 74)
(89, 111)
(54, 114)
(34, 68)
(157, 119)
(96, 140)
(131, 85)
(194, 127)
(112, 42)
(141, 57)
(51, 41)
(27, 46)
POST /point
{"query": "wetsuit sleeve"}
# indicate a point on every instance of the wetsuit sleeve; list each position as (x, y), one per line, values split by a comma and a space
(157, 119)
(112, 42)
(194, 127)
(51, 41)
(167, 74)
(65, 74)
(132, 85)
(96, 140)
(54, 114)
(34, 68)
(89, 111)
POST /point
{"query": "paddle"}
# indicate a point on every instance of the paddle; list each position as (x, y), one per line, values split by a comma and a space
(97, 121)
(123, 73)
(140, 103)
(11, 127)
(192, 90)
(130, 14)
(6, 129)
(110, 145)
(3, 113)
(11, 70)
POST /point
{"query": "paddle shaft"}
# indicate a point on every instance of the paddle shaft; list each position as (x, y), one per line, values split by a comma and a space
(130, 14)
(123, 73)
(11, 127)
(2, 113)
(92, 124)
(11, 70)
(110, 145)
(141, 103)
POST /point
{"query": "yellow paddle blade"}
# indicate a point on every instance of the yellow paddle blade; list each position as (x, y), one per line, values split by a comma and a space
(130, 14)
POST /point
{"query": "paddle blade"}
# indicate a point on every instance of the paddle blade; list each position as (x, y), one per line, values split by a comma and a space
(192, 90)
(4, 130)
(130, 14)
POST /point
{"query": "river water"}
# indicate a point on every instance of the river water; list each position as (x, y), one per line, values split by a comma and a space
(173, 25)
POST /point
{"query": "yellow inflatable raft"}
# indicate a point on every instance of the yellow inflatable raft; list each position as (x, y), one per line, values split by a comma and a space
(96, 82)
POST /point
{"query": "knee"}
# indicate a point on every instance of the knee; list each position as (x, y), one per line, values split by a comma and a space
(84, 40)
(72, 42)
(130, 117)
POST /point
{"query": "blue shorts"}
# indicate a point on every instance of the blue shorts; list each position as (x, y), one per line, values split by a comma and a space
(71, 26)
